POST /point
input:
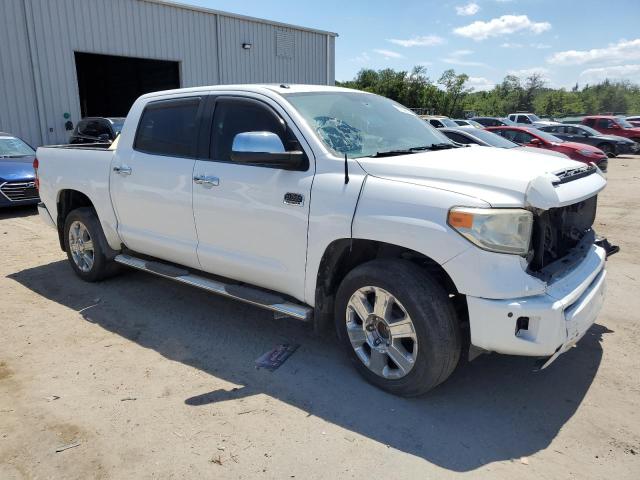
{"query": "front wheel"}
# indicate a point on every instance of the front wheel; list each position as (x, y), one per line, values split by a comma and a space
(84, 244)
(398, 326)
(608, 149)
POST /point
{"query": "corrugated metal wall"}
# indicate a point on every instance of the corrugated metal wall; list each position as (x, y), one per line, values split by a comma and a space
(18, 109)
(39, 37)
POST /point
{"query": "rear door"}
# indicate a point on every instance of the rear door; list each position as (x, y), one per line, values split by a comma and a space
(252, 220)
(152, 181)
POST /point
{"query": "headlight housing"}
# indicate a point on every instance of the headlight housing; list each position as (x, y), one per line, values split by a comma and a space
(502, 230)
(588, 153)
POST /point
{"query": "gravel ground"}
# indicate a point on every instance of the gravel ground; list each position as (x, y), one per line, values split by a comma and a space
(138, 377)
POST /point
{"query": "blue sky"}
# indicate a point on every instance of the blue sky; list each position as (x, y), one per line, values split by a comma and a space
(567, 41)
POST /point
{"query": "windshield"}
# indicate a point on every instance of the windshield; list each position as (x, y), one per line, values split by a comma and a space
(493, 139)
(623, 123)
(547, 136)
(12, 147)
(590, 130)
(447, 122)
(506, 121)
(534, 118)
(362, 124)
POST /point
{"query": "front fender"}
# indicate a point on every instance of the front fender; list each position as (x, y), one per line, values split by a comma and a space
(411, 216)
(415, 217)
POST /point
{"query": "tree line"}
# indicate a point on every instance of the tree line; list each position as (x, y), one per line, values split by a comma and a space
(452, 96)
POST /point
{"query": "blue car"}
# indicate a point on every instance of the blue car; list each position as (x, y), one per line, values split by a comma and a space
(17, 178)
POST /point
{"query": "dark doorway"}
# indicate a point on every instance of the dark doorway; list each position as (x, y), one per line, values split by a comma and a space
(109, 85)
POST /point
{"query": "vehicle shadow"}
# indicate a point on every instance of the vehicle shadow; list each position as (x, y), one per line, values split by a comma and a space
(496, 408)
(16, 212)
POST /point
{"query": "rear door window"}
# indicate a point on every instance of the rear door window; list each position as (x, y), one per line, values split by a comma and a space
(169, 127)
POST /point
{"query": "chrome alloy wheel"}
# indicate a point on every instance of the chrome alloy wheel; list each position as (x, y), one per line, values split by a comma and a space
(381, 332)
(81, 246)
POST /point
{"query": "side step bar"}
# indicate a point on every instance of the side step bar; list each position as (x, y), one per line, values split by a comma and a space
(254, 296)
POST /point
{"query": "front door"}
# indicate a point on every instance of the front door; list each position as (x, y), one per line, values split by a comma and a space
(151, 182)
(252, 220)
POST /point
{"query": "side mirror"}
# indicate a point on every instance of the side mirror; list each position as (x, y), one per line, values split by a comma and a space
(264, 148)
(535, 142)
(615, 126)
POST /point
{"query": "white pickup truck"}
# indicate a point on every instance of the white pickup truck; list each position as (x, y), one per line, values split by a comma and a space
(344, 209)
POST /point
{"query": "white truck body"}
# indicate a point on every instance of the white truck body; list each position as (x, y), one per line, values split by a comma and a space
(530, 120)
(232, 220)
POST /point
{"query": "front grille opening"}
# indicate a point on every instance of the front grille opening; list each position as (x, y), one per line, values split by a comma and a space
(17, 191)
(558, 230)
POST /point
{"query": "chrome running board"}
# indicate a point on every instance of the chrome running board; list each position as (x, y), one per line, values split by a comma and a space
(252, 295)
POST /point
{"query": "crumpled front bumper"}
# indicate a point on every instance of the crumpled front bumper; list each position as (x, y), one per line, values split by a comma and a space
(543, 325)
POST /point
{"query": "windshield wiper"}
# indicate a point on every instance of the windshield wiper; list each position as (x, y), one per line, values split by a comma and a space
(392, 153)
(406, 151)
(440, 146)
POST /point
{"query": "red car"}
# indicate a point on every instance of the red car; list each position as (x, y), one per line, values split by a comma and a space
(532, 137)
(610, 125)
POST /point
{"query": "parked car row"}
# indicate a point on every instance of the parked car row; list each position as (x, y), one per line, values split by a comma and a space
(610, 134)
(612, 145)
(536, 138)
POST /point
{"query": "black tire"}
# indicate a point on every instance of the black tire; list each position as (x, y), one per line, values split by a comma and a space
(608, 149)
(433, 315)
(102, 266)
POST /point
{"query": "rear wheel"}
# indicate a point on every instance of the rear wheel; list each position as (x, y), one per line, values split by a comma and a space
(398, 326)
(84, 244)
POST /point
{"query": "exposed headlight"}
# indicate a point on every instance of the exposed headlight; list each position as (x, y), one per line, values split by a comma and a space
(503, 230)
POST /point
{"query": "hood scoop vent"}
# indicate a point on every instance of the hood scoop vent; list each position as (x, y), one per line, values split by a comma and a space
(566, 176)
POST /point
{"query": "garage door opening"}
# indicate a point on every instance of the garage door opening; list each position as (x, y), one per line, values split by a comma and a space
(109, 85)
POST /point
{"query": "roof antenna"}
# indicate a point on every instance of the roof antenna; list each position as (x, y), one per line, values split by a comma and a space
(346, 170)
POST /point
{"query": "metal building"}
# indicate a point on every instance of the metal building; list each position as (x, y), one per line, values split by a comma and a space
(61, 60)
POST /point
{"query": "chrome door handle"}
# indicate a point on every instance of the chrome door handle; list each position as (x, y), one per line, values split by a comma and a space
(206, 180)
(122, 170)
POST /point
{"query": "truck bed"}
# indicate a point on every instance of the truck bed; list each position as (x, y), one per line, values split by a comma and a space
(83, 168)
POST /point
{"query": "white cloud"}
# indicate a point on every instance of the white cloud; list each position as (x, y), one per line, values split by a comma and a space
(504, 25)
(623, 51)
(362, 58)
(480, 83)
(419, 41)
(529, 71)
(470, 8)
(618, 72)
(455, 58)
(540, 46)
(388, 54)
(511, 45)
